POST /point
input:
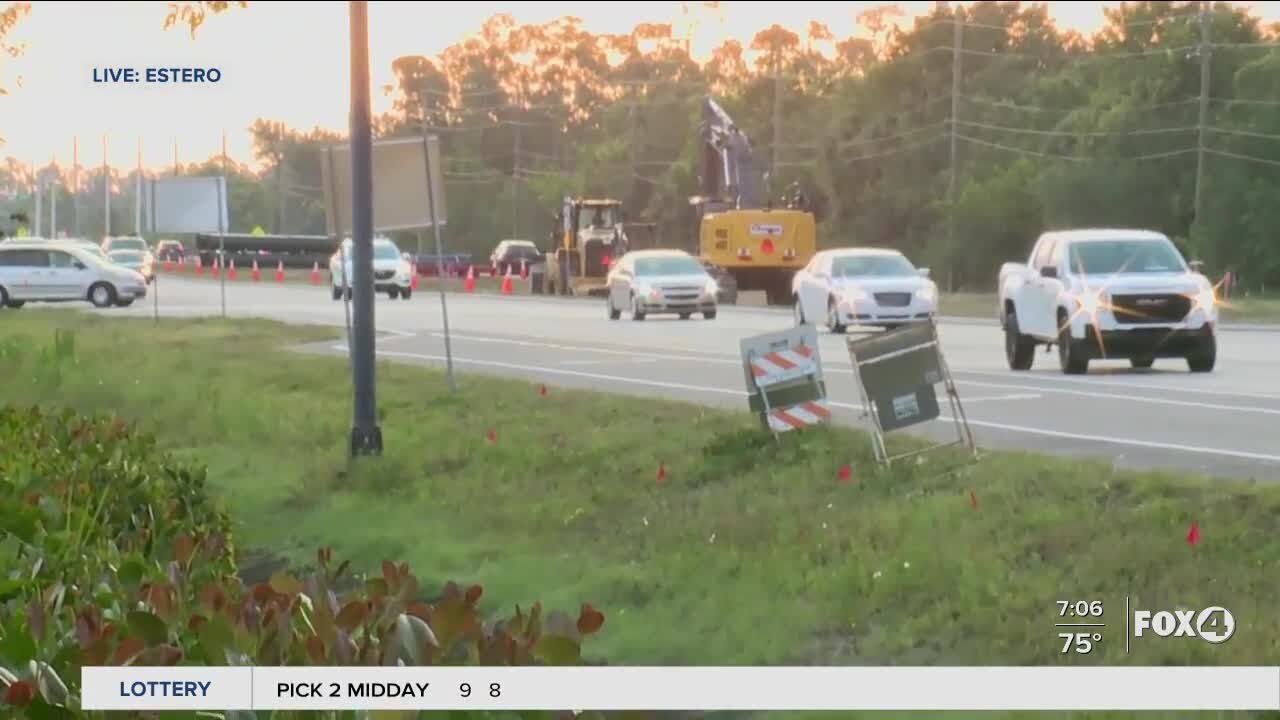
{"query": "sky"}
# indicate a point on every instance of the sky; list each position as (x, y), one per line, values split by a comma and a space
(284, 64)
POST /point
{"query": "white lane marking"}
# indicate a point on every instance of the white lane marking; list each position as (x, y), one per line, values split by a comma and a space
(557, 371)
(1124, 441)
(742, 393)
(846, 366)
(1013, 396)
(1130, 398)
(624, 361)
(1130, 385)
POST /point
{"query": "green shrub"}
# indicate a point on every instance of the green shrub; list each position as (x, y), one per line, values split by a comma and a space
(113, 554)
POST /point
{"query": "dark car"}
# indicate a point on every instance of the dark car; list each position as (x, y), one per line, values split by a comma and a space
(170, 251)
(728, 294)
(510, 254)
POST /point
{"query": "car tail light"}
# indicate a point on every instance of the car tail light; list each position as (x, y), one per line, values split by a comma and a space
(766, 247)
(606, 261)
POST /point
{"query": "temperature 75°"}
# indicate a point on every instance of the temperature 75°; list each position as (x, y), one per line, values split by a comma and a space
(1080, 643)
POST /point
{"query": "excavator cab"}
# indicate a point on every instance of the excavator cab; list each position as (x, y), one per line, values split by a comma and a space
(587, 237)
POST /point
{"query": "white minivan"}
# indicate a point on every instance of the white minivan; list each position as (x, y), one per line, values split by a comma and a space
(45, 271)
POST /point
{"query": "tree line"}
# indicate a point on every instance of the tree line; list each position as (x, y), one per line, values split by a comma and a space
(956, 139)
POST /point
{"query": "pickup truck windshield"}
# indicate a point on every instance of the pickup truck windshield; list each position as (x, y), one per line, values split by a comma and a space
(668, 266)
(385, 251)
(1125, 256)
(872, 266)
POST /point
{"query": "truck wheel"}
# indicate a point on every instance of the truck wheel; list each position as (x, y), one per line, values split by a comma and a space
(394, 293)
(1204, 360)
(636, 313)
(1070, 357)
(1142, 363)
(1019, 349)
(709, 315)
(614, 313)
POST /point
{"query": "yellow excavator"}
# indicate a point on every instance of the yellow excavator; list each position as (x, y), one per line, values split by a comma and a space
(587, 238)
(761, 246)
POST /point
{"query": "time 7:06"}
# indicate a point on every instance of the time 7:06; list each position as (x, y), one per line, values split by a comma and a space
(1080, 608)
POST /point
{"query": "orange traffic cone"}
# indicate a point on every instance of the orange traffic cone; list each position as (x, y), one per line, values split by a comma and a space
(507, 286)
(168, 266)
(231, 271)
(217, 268)
(315, 273)
(280, 272)
(256, 274)
(199, 266)
(413, 281)
(182, 265)
(524, 269)
(469, 285)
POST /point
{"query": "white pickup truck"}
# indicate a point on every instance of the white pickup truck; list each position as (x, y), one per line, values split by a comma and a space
(1107, 294)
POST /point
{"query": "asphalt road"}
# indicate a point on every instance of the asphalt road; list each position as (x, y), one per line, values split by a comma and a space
(1226, 423)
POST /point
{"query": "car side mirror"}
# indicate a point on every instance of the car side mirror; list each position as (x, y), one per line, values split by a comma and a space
(405, 257)
(1196, 265)
(1049, 271)
(924, 272)
(79, 265)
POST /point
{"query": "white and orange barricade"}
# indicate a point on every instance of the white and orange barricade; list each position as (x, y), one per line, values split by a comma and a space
(784, 379)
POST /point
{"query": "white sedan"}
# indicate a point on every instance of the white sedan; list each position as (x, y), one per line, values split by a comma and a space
(862, 286)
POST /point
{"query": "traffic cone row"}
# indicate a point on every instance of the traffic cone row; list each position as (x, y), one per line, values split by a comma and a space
(507, 285)
(217, 268)
(256, 274)
(280, 272)
(231, 271)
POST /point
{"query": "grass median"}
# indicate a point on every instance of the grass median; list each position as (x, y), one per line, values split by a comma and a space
(747, 551)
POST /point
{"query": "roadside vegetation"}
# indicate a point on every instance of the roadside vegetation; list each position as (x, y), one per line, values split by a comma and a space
(705, 541)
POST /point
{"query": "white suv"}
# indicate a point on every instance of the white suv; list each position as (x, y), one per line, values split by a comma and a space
(44, 271)
(392, 271)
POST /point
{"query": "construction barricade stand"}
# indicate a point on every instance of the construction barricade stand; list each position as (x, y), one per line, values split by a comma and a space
(784, 379)
(897, 372)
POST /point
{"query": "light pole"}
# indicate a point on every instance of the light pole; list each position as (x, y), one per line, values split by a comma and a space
(366, 436)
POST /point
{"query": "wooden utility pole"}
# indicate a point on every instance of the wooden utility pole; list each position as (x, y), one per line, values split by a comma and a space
(1205, 78)
(957, 42)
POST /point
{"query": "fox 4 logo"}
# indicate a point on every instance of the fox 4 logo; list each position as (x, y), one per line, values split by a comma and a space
(1213, 624)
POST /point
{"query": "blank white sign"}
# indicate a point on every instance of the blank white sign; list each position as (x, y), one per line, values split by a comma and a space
(188, 204)
(399, 185)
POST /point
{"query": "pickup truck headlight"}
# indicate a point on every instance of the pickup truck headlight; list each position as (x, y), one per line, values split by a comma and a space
(1091, 301)
(1207, 299)
(711, 288)
(928, 294)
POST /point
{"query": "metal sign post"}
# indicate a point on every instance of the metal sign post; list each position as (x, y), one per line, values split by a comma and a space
(431, 150)
(783, 373)
(896, 372)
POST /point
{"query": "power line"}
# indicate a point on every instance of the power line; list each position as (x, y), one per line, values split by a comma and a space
(1071, 158)
(1008, 105)
(1243, 133)
(1075, 133)
(844, 145)
(1092, 57)
(1238, 156)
